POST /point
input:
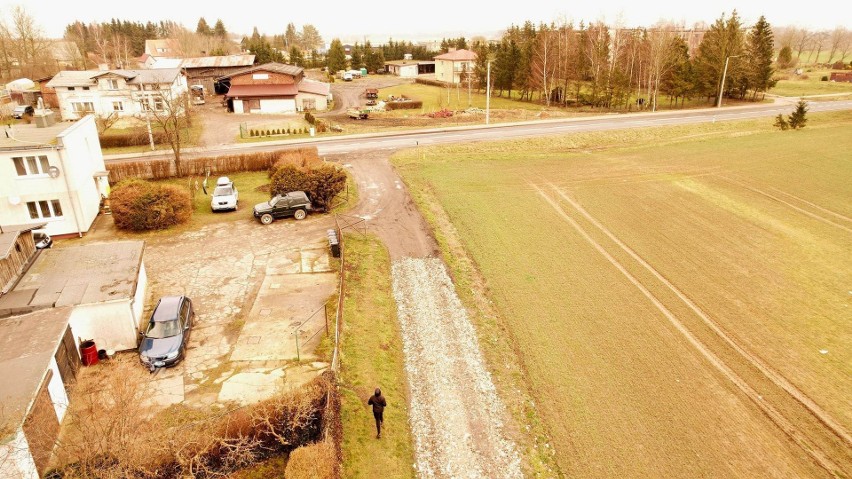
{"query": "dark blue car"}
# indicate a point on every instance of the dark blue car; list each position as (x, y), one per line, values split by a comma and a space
(165, 339)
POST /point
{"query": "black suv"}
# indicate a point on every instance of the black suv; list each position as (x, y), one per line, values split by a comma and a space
(167, 335)
(294, 203)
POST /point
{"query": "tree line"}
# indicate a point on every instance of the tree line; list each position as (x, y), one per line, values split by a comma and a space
(624, 68)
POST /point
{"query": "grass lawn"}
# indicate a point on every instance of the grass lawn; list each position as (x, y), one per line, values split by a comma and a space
(434, 98)
(741, 222)
(812, 85)
(371, 356)
(191, 135)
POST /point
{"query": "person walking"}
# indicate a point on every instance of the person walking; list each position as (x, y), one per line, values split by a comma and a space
(379, 404)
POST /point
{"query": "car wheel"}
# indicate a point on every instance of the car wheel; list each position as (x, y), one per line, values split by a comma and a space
(299, 214)
(266, 219)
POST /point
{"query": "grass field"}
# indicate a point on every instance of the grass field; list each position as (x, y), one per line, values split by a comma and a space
(795, 85)
(371, 356)
(668, 299)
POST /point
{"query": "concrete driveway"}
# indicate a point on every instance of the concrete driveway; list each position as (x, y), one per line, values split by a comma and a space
(254, 288)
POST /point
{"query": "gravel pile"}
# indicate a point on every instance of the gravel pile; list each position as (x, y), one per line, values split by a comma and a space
(455, 412)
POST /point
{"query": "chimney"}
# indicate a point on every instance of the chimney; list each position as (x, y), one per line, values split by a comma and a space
(103, 66)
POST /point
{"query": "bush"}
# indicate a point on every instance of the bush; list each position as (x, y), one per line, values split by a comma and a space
(404, 105)
(314, 461)
(309, 117)
(424, 81)
(322, 183)
(824, 78)
(139, 205)
(138, 137)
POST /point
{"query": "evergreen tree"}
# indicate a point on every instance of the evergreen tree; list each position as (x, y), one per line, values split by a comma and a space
(203, 28)
(785, 57)
(291, 38)
(296, 57)
(336, 59)
(797, 119)
(357, 60)
(722, 41)
(760, 47)
(373, 58)
(781, 123)
(219, 29)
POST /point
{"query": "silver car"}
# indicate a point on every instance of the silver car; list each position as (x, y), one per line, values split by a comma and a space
(225, 195)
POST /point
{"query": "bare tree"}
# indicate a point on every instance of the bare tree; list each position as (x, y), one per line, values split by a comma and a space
(839, 43)
(801, 40)
(818, 40)
(31, 46)
(661, 58)
(172, 115)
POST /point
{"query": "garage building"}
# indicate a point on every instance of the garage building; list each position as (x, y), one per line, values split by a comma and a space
(274, 88)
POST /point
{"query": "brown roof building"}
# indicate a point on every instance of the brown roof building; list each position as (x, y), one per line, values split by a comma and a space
(273, 88)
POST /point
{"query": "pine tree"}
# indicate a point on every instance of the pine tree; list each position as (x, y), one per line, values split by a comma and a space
(357, 60)
(760, 47)
(781, 123)
(291, 38)
(785, 57)
(203, 28)
(219, 29)
(722, 41)
(797, 119)
(336, 56)
(296, 57)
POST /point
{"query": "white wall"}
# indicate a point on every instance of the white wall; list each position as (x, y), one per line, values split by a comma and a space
(408, 71)
(78, 156)
(16, 462)
(320, 101)
(138, 304)
(56, 389)
(276, 106)
(111, 325)
(101, 98)
(238, 106)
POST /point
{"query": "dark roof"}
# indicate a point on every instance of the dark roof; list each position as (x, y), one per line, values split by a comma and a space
(291, 70)
(262, 90)
(9, 235)
(315, 87)
(167, 308)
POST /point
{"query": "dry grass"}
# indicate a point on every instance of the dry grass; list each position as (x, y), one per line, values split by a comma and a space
(741, 219)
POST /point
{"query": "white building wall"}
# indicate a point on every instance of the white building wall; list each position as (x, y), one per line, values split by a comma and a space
(408, 71)
(16, 462)
(102, 97)
(238, 106)
(111, 325)
(138, 304)
(320, 101)
(78, 156)
(276, 106)
(56, 389)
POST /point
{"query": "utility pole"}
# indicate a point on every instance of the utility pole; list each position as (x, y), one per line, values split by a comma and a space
(724, 74)
(488, 93)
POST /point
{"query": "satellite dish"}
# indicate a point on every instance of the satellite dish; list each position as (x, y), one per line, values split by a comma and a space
(53, 172)
(15, 200)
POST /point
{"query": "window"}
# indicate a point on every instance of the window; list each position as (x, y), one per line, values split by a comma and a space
(158, 104)
(83, 107)
(112, 84)
(44, 209)
(31, 165)
(148, 87)
(70, 88)
(85, 88)
(117, 106)
(260, 76)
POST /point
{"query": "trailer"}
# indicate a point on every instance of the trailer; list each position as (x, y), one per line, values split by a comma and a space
(357, 114)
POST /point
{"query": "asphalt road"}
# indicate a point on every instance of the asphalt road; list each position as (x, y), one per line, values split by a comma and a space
(467, 134)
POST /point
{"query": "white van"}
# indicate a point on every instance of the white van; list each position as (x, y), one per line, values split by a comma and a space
(347, 76)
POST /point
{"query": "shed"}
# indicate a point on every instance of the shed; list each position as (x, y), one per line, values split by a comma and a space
(105, 284)
(841, 76)
(38, 362)
(17, 251)
(409, 68)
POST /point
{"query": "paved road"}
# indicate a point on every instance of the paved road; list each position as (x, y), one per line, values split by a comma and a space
(467, 134)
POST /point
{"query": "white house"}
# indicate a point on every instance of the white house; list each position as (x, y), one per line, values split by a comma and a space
(403, 68)
(120, 92)
(455, 65)
(55, 175)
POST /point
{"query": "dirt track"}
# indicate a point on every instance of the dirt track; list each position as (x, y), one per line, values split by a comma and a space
(456, 416)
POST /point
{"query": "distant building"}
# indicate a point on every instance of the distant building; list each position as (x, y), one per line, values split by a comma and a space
(841, 76)
(163, 47)
(455, 65)
(274, 88)
(409, 68)
(203, 70)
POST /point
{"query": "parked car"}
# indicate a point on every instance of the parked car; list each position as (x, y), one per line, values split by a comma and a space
(165, 339)
(225, 196)
(22, 111)
(347, 76)
(42, 240)
(295, 204)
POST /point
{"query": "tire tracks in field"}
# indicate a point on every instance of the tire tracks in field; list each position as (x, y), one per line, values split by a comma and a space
(791, 205)
(803, 440)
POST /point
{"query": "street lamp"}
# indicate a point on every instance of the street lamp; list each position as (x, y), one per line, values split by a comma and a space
(724, 74)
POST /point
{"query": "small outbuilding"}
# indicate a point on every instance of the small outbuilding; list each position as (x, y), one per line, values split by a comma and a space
(841, 76)
(409, 68)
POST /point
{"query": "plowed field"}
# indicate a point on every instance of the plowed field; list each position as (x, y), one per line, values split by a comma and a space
(681, 298)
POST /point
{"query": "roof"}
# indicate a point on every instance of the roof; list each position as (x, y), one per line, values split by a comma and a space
(458, 56)
(9, 235)
(27, 345)
(315, 87)
(163, 62)
(151, 46)
(86, 274)
(24, 136)
(145, 76)
(291, 70)
(262, 90)
(20, 84)
(408, 62)
(73, 78)
(219, 61)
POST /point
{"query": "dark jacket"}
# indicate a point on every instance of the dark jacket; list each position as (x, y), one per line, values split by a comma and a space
(378, 402)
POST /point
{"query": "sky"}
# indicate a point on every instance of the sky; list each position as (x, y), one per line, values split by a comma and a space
(434, 19)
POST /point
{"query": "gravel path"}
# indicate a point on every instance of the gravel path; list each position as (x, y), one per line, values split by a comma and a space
(456, 416)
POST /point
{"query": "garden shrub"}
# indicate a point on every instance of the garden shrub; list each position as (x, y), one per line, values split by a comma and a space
(313, 461)
(138, 137)
(404, 105)
(139, 205)
(322, 183)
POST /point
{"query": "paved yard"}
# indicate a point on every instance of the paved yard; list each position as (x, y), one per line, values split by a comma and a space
(254, 288)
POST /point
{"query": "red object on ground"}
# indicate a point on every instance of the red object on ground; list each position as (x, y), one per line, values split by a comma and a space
(89, 353)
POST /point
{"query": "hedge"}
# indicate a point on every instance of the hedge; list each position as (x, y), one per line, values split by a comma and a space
(139, 205)
(134, 138)
(404, 105)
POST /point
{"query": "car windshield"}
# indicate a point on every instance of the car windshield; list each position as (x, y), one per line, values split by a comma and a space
(162, 329)
(274, 200)
(223, 191)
